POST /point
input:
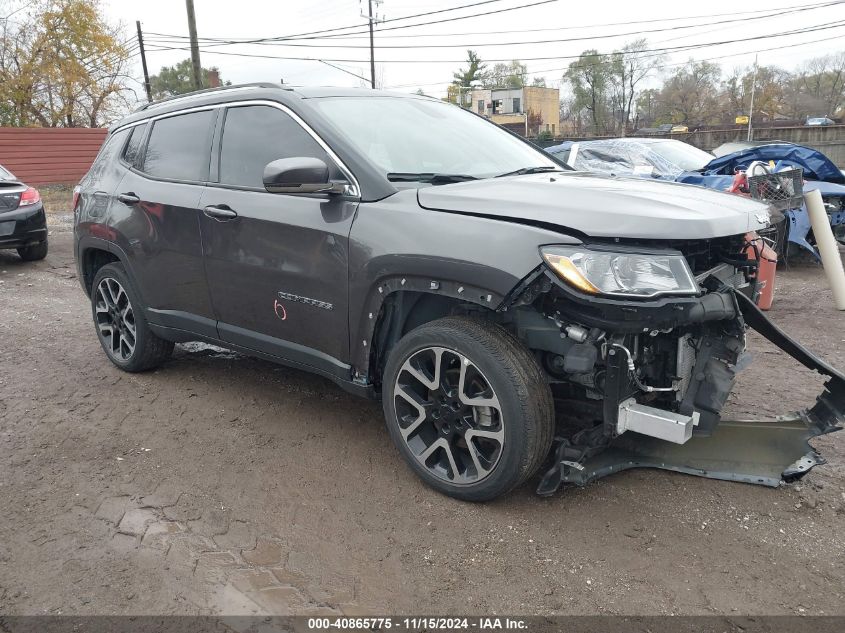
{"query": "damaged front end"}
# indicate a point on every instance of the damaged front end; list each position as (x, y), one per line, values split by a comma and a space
(641, 382)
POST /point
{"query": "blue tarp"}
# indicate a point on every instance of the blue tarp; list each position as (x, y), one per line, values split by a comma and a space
(816, 165)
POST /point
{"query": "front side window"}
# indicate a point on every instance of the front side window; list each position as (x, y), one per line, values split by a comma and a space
(180, 146)
(256, 135)
(409, 135)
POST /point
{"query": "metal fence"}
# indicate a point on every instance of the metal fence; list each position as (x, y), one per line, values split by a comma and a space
(46, 156)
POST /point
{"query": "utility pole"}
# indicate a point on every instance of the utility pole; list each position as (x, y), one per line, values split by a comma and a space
(751, 113)
(144, 62)
(372, 49)
(195, 49)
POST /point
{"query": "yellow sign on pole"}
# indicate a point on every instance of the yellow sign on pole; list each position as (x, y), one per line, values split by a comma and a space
(742, 120)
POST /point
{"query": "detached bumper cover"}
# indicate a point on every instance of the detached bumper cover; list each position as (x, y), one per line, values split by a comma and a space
(766, 452)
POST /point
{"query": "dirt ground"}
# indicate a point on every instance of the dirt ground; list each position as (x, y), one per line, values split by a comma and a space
(223, 484)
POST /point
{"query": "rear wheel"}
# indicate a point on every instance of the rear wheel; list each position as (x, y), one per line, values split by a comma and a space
(468, 407)
(121, 327)
(33, 252)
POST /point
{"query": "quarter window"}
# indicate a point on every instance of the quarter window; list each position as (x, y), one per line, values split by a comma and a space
(179, 147)
(256, 135)
(134, 145)
(108, 153)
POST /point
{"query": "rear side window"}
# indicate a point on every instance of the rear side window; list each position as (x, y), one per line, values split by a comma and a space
(179, 147)
(256, 135)
(133, 148)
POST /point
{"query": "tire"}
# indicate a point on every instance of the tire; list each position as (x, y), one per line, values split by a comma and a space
(120, 325)
(494, 446)
(34, 252)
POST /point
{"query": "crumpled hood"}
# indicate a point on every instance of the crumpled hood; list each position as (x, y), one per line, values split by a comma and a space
(600, 206)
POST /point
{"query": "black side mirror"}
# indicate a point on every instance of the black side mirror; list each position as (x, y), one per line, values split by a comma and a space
(299, 175)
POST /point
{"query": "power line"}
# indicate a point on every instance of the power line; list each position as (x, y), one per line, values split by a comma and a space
(219, 42)
(662, 50)
(684, 63)
(552, 41)
(343, 70)
(570, 28)
(340, 28)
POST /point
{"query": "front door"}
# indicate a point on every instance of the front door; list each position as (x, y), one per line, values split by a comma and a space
(276, 264)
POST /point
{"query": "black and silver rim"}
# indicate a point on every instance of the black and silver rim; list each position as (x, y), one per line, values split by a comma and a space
(115, 319)
(449, 415)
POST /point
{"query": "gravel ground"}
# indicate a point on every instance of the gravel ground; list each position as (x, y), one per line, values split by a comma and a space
(224, 484)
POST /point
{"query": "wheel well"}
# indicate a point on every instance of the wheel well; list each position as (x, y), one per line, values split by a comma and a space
(93, 259)
(405, 310)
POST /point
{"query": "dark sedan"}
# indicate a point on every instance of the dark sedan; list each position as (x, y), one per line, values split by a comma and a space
(23, 224)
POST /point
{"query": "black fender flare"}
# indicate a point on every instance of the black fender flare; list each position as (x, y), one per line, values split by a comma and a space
(362, 349)
(89, 242)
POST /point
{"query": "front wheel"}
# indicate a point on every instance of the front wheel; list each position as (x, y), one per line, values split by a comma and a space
(468, 407)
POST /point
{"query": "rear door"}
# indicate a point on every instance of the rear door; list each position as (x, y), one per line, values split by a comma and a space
(156, 214)
(277, 268)
(97, 186)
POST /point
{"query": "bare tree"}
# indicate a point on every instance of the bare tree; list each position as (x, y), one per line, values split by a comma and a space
(691, 94)
(824, 79)
(588, 78)
(770, 94)
(628, 68)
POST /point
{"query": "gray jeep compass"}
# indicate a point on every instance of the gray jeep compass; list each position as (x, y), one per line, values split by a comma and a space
(515, 318)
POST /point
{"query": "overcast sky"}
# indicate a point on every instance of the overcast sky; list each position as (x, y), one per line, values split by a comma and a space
(571, 27)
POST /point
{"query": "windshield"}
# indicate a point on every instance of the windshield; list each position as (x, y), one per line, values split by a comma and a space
(5, 174)
(417, 136)
(681, 154)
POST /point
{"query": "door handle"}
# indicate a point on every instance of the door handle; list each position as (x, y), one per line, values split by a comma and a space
(128, 198)
(220, 212)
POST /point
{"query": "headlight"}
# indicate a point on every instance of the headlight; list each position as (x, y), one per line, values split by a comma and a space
(596, 271)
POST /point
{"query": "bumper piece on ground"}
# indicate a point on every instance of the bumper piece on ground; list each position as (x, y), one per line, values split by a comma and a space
(764, 453)
(758, 452)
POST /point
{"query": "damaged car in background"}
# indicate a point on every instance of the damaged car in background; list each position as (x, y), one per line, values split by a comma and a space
(671, 159)
(514, 317)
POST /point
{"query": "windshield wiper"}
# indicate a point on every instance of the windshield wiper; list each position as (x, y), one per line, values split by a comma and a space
(529, 170)
(428, 177)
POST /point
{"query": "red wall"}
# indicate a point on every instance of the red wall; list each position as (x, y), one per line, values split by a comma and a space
(46, 156)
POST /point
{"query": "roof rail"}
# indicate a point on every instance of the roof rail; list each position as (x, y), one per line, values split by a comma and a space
(188, 95)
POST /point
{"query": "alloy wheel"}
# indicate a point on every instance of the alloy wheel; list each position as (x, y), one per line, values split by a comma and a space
(115, 319)
(449, 415)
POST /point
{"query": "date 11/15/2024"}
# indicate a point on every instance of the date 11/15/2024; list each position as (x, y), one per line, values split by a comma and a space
(418, 624)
